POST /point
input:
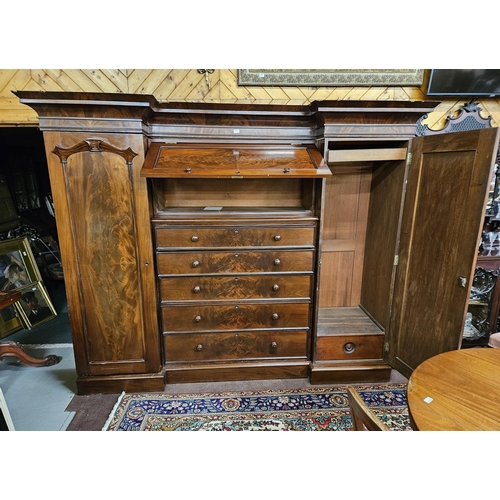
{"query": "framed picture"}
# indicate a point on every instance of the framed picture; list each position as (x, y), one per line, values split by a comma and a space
(10, 321)
(35, 305)
(18, 266)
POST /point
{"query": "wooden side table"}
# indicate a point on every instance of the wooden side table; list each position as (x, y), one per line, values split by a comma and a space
(16, 350)
(456, 390)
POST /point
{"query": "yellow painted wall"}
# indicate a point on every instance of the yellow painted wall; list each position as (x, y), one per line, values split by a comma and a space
(190, 86)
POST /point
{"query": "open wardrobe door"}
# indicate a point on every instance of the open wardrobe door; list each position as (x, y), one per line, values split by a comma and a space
(447, 187)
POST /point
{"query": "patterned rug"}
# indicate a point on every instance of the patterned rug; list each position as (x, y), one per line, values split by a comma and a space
(317, 409)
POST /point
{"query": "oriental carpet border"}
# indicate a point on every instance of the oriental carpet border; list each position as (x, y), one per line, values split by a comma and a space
(310, 409)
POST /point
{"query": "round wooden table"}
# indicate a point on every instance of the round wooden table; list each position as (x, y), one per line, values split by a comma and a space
(456, 390)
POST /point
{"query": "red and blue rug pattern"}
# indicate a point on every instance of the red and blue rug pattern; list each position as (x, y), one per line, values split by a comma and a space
(311, 409)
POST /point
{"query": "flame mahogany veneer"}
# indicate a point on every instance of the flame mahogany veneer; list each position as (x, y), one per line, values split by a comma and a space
(192, 235)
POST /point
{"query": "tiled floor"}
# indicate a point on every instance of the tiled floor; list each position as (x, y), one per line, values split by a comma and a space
(37, 397)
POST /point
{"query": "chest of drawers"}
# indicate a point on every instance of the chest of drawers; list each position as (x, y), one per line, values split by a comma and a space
(235, 295)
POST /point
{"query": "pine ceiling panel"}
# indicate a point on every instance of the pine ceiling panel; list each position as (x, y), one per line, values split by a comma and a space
(259, 94)
(229, 85)
(82, 80)
(119, 79)
(166, 88)
(17, 82)
(35, 86)
(101, 80)
(227, 95)
(374, 93)
(492, 108)
(6, 76)
(437, 118)
(322, 94)
(136, 78)
(198, 94)
(186, 86)
(339, 93)
(400, 94)
(294, 94)
(415, 93)
(13, 112)
(154, 80)
(277, 94)
(45, 81)
(214, 94)
(66, 83)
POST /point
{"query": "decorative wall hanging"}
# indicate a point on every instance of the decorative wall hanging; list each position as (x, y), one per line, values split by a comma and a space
(331, 77)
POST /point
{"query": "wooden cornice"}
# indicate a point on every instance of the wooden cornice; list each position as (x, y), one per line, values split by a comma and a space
(137, 113)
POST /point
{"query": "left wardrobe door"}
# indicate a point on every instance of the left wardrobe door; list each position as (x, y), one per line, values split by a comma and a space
(102, 218)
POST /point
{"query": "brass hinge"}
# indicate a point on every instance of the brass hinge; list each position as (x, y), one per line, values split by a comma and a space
(396, 260)
(409, 157)
(386, 347)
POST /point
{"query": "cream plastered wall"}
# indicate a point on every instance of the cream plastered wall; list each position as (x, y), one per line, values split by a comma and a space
(188, 85)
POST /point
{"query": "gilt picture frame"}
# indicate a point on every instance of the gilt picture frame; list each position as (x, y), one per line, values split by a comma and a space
(331, 77)
(18, 266)
(35, 306)
(10, 321)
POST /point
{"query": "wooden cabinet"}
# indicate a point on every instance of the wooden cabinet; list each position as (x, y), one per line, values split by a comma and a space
(233, 242)
(235, 258)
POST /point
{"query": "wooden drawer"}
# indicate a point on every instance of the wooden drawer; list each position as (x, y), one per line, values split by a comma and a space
(233, 346)
(213, 237)
(234, 317)
(349, 347)
(227, 287)
(266, 261)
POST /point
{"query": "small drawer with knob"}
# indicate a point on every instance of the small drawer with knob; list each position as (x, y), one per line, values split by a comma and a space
(345, 347)
(239, 345)
(234, 317)
(208, 262)
(233, 236)
(278, 286)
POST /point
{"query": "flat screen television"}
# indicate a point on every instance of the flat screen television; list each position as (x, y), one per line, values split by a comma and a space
(464, 82)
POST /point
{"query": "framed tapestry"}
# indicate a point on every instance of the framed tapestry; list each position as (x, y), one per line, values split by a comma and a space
(331, 77)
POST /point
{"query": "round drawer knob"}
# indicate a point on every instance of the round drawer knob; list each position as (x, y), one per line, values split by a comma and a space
(197, 319)
(277, 237)
(286, 170)
(196, 263)
(236, 231)
(276, 287)
(349, 347)
(275, 316)
(187, 170)
(194, 238)
(277, 262)
(274, 345)
(199, 347)
(197, 289)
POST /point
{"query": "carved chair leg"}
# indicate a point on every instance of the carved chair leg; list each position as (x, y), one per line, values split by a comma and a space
(16, 350)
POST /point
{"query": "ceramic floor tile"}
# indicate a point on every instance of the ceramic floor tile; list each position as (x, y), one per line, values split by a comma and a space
(38, 396)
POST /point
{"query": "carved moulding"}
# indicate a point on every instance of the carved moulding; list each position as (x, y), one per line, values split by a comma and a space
(468, 118)
(93, 146)
(331, 77)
